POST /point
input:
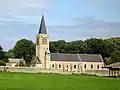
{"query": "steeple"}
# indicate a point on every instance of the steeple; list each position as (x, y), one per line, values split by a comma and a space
(42, 29)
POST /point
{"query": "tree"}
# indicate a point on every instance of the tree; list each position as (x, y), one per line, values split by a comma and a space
(116, 41)
(109, 47)
(115, 56)
(24, 49)
(1, 48)
(94, 46)
(2, 63)
(108, 60)
(76, 47)
(2, 55)
(67, 47)
(53, 48)
(58, 46)
(10, 54)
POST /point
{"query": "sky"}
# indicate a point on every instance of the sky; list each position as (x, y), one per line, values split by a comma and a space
(65, 19)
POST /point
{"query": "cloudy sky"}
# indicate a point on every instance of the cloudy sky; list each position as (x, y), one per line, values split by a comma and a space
(65, 19)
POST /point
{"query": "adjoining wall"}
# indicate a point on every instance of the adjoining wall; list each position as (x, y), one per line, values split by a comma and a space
(59, 71)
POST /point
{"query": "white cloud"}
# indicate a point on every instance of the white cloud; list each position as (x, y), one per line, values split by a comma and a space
(23, 3)
(22, 6)
(33, 5)
(86, 28)
(98, 31)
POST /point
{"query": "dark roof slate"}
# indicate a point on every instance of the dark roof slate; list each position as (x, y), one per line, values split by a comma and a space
(64, 57)
(76, 57)
(90, 57)
(42, 29)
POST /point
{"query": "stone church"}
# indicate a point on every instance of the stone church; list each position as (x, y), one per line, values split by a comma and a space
(64, 61)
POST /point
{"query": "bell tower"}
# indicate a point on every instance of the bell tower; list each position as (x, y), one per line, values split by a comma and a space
(42, 44)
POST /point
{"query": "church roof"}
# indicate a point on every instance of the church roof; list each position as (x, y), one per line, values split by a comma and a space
(76, 57)
(64, 57)
(91, 57)
(42, 29)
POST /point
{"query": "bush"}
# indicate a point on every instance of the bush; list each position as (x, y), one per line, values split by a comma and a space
(2, 63)
(21, 64)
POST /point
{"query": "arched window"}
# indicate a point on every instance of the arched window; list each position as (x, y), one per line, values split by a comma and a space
(67, 66)
(85, 66)
(98, 67)
(74, 66)
(91, 66)
(53, 66)
(59, 66)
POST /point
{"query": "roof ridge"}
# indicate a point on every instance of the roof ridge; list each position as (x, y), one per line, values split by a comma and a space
(89, 54)
(65, 53)
(79, 57)
(102, 59)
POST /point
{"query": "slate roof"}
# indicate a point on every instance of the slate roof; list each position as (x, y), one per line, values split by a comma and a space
(114, 65)
(76, 57)
(42, 29)
(90, 57)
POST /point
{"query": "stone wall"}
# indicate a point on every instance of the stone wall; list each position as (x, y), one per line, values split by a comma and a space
(59, 71)
(1, 68)
(97, 72)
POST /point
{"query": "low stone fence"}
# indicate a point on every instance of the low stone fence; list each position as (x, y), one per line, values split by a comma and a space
(60, 71)
(23, 69)
(31, 70)
(1, 68)
(97, 72)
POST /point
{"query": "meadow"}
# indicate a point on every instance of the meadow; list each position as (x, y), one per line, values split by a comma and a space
(38, 81)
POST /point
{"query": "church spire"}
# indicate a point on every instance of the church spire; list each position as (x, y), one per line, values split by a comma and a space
(42, 29)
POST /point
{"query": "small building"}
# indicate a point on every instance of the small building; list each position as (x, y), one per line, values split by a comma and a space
(114, 69)
(14, 62)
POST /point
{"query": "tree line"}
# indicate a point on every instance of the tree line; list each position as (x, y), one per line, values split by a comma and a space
(108, 48)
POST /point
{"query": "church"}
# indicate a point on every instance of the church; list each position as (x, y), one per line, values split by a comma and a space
(62, 61)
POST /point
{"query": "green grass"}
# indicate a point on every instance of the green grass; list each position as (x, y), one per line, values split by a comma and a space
(25, 81)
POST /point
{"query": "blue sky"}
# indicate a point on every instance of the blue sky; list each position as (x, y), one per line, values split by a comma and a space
(65, 19)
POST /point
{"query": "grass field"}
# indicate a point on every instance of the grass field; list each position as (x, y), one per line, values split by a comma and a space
(24, 81)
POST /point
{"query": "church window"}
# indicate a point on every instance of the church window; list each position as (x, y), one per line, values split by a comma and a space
(97, 66)
(37, 42)
(53, 66)
(85, 66)
(59, 66)
(67, 66)
(74, 66)
(44, 40)
(91, 66)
